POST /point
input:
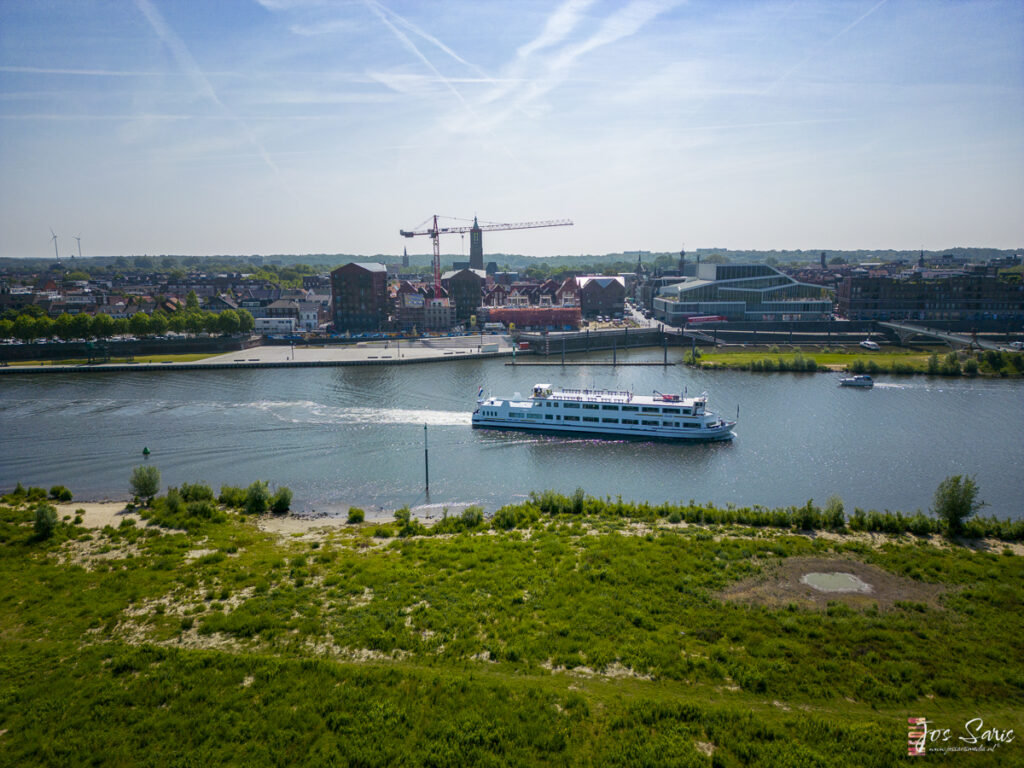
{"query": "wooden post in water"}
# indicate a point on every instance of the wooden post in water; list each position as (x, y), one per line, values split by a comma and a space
(664, 347)
(563, 349)
(426, 460)
(614, 350)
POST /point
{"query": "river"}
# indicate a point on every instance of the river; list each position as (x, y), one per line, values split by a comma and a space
(355, 436)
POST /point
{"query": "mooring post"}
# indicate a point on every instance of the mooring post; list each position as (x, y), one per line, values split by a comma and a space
(563, 349)
(614, 350)
(664, 348)
(426, 460)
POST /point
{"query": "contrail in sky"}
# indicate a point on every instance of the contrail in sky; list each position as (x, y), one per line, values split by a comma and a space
(824, 45)
(199, 80)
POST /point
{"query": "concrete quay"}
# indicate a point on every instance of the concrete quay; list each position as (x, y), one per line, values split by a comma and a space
(301, 356)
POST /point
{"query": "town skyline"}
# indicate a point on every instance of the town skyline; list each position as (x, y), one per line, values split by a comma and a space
(294, 126)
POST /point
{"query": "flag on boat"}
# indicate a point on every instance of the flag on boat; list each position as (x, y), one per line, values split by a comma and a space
(480, 393)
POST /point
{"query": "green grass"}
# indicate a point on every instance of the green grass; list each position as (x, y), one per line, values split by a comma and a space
(183, 358)
(568, 640)
(900, 360)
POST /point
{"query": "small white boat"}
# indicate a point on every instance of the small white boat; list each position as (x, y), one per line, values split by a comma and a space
(862, 380)
(869, 344)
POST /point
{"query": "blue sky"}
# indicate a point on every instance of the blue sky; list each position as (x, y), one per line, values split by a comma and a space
(310, 126)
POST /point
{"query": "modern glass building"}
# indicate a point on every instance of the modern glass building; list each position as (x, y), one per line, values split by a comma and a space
(742, 292)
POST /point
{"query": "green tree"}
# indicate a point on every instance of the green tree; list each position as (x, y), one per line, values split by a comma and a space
(81, 325)
(139, 323)
(45, 520)
(102, 326)
(44, 327)
(24, 328)
(158, 323)
(62, 327)
(191, 302)
(6, 329)
(257, 498)
(281, 501)
(145, 482)
(246, 321)
(956, 499)
(228, 322)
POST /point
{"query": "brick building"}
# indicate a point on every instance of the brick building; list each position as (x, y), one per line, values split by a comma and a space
(359, 297)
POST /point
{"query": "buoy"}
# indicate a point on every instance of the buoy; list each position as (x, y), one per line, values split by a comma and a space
(145, 451)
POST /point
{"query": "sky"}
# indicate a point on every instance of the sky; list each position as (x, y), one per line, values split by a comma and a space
(326, 126)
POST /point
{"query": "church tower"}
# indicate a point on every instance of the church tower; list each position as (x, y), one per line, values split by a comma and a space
(476, 246)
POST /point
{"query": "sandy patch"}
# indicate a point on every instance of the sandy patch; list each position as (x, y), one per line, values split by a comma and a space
(98, 514)
(782, 584)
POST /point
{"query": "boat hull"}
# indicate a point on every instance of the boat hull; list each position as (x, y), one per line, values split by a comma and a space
(713, 435)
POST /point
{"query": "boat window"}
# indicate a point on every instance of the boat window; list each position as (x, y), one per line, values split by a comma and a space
(590, 418)
(610, 421)
(686, 411)
(629, 421)
(571, 405)
(648, 409)
(609, 407)
(630, 408)
(571, 418)
(650, 423)
(548, 416)
(670, 410)
(691, 425)
(590, 406)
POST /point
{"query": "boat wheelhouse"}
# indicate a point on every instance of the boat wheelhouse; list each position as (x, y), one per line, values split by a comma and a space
(607, 413)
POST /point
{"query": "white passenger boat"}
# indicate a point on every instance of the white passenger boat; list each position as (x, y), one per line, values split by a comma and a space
(863, 380)
(606, 413)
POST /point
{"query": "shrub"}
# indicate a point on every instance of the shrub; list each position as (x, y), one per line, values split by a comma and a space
(355, 515)
(196, 492)
(45, 520)
(956, 499)
(472, 516)
(933, 364)
(971, 367)
(257, 498)
(282, 501)
(232, 496)
(60, 493)
(145, 482)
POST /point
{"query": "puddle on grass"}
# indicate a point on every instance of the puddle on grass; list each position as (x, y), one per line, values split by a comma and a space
(835, 582)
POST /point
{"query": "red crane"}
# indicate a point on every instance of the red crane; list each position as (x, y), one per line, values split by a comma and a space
(436, 231)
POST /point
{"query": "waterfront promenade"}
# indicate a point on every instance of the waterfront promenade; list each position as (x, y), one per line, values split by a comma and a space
(302, 356)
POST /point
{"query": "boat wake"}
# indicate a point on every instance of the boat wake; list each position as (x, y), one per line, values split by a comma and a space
(309, 412)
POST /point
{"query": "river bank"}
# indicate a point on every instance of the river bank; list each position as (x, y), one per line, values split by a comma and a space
(576, 637)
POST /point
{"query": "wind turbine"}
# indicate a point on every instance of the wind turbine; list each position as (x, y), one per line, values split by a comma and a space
(79, 239)
(54, 238)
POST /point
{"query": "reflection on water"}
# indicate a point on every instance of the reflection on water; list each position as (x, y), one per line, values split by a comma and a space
(355, 435)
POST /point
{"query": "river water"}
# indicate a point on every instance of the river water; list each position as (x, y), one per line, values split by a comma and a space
(355, 435)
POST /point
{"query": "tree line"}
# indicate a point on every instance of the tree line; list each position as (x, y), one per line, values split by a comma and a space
(29, 326)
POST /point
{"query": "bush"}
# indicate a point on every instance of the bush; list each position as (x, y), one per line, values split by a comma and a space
(45, 520)
(472, 516)
(196, 492)
(956, 499)
(355, 515)
(60, 493)
(282, 501)
(257, 498)
(232, 496)
(145, 482)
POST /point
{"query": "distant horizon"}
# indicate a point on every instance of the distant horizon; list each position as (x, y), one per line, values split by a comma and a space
(813, 254)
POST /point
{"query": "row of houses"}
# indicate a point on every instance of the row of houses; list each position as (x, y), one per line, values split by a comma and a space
(364, 299)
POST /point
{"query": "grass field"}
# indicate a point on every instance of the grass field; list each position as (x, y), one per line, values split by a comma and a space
(899, 360)
(535, 639)
(184, 358)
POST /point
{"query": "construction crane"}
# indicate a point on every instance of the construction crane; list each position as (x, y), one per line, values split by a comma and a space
(436, 231)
